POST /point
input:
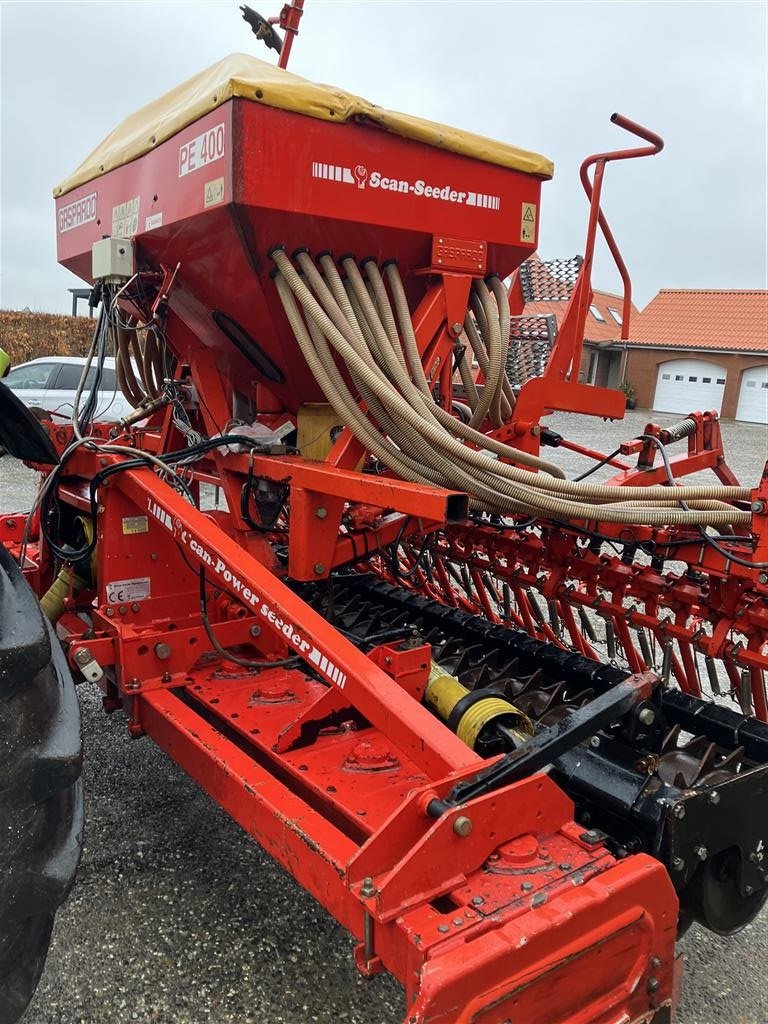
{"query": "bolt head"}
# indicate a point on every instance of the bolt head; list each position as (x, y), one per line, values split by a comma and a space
(456, 329)
(679, 811)
(321, 512)
(443, 928)
(678, 864)
(763, 577)
(701, 852)
(255, 630)
(594, 742)
(758, 506)
(319, 568)
(714, 798)
(462, 826)
(593, 837)
(163, 651)
(647, 716)
(478, 901)
(653, 985)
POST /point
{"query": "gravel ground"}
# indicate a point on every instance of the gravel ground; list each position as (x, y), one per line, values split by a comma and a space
(177, 917)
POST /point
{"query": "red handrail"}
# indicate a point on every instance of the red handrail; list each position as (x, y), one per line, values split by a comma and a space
(597, 216)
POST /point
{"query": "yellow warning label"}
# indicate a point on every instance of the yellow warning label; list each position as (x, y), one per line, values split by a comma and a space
(135, 524)
(213, 192)
(528, 223)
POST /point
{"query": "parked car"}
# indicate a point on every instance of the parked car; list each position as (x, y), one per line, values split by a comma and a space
(51, 383)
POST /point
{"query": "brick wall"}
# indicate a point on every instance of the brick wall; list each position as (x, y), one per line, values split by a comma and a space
(29, 335)
(643, 365)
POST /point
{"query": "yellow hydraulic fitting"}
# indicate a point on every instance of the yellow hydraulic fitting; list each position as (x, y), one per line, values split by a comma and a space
(66, 583)
(69, 581)
(468, 712)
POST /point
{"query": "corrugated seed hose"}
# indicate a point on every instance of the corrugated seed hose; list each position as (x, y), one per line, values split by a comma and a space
(147, 357)
(363, 322)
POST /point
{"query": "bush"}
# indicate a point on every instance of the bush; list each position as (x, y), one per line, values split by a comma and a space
(27, 336)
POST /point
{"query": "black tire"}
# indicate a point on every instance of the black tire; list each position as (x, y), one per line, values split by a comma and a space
(41, 797)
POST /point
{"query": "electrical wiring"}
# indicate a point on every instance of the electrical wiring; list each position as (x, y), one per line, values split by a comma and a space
(426, 549)
(137, 460)
(82, 420)
(598, 465)
(421, 558)
(246, 492)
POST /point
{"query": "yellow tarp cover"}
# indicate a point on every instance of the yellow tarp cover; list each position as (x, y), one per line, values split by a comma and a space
(246, 76)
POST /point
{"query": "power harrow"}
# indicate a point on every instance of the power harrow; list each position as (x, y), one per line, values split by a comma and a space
(509, 728)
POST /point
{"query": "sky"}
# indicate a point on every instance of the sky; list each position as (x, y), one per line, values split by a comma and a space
(543, 76)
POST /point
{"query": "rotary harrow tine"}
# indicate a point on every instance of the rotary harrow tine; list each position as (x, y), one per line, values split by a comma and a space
(712, 674)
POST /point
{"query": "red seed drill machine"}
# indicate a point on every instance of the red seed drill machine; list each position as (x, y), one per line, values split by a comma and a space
(468, 703)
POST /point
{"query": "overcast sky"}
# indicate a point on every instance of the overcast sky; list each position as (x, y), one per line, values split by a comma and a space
(544, 76)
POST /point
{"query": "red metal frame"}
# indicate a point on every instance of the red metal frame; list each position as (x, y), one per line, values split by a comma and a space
(345, 811)
(558, 388)
(288, 20)
(332, 766)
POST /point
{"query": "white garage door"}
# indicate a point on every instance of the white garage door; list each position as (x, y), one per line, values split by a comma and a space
(689, 385)
(753, 395)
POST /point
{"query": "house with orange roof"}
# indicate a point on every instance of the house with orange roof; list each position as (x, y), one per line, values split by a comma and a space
(701, 349)
(689, 349)
(601, 363)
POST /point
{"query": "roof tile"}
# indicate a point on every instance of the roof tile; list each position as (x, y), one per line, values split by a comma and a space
(701, 319)
(594, 330)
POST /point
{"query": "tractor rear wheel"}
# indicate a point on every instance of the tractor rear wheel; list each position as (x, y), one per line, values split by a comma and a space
(41, 798)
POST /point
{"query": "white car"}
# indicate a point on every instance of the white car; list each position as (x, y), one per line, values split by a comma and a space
(51, 383)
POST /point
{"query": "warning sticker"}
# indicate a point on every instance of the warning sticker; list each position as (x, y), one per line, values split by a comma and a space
(528, 223)
(123, 591)
(135, 524)
(125, 218)
(213, 192)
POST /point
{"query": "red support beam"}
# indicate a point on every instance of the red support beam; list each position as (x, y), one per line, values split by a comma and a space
(408, 725)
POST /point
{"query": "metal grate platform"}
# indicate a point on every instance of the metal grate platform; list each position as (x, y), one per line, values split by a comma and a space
(549, 280)
(530, 343)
